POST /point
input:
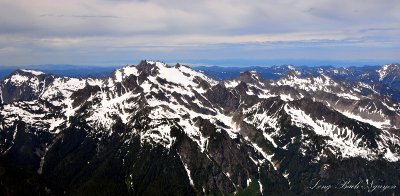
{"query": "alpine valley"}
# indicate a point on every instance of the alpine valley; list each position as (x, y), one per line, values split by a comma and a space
(155, 129)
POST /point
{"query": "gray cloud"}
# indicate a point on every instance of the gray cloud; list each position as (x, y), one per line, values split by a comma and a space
(79, 16)
(172, 29)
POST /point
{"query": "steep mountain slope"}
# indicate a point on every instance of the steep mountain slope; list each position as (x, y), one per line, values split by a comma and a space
(154, 129)
(382, 79)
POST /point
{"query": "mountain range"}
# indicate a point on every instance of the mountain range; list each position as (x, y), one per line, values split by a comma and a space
(156, 129)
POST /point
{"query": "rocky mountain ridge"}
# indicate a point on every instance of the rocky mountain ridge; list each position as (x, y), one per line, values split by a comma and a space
(153, 128)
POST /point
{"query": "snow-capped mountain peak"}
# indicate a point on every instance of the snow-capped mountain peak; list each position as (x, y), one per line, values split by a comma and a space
(388, 71)
(154, 111)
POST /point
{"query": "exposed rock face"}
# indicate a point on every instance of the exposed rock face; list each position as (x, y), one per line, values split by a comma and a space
(153, 129)
(24, 85)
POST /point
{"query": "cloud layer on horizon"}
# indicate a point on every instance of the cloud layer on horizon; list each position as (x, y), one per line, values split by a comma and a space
(120, 31)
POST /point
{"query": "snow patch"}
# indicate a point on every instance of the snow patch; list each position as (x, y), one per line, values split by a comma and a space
(37, 73)
(378, 124)
(348, 96)
(383, 72)
(18, 80)
(231, 84)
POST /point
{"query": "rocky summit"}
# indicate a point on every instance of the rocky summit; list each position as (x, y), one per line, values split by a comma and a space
(155, 129)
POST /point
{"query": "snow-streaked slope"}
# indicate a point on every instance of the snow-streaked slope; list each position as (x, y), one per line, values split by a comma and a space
(172, 97)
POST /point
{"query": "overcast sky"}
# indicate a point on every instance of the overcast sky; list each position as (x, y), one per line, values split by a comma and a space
(109, 32)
